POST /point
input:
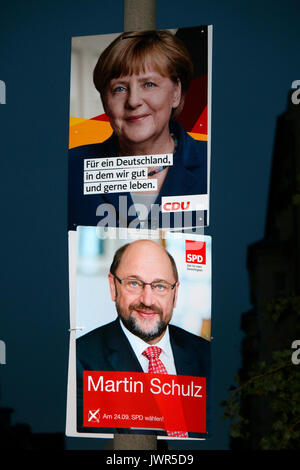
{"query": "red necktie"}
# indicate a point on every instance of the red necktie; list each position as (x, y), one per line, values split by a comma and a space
(156, 366)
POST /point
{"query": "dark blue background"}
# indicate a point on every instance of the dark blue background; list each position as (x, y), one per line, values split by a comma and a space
(255, 60)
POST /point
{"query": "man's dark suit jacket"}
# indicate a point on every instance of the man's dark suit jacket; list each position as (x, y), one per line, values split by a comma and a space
(107, 349)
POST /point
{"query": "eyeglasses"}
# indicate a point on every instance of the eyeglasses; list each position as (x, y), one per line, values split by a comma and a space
(136, 286)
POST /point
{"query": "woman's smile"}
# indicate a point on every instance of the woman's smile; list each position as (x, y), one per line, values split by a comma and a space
(136, 118)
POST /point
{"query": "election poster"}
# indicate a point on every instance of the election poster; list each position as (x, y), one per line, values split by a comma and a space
(140, 333)
(139, 129)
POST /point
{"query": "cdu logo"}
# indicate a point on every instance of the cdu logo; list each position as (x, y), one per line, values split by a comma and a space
(176, 206)
(2, 92)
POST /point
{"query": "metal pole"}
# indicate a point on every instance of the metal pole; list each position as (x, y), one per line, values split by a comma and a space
(138, 15)
(134, 442)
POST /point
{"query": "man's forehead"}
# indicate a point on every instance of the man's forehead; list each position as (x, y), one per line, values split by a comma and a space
(145, 259)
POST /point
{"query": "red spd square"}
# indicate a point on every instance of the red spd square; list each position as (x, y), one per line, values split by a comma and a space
(195, 252)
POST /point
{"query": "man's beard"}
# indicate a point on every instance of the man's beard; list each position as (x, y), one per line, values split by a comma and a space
(132, 324)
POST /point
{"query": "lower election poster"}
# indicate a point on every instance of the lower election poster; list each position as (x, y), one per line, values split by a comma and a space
(140, 330)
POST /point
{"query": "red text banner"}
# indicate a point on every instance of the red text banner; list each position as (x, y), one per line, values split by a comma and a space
(144, 401)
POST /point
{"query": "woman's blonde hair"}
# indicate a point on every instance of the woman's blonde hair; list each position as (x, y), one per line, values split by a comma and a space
(131, 53)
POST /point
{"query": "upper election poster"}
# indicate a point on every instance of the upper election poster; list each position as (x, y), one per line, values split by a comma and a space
(139, 132)
(140, 331)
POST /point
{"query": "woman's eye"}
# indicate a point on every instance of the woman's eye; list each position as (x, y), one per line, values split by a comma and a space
(149, 85)
(119, 89)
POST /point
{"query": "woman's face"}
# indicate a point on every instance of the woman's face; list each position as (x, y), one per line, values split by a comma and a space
(139, 106)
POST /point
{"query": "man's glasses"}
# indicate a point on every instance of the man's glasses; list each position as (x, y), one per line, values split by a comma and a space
(136, 286)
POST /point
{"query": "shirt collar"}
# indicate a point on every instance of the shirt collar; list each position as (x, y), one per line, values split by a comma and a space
(139, 346)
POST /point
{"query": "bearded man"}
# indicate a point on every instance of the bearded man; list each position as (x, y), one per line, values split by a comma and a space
(144, 285)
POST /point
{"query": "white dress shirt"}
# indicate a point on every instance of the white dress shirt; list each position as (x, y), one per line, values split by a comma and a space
(139, 346)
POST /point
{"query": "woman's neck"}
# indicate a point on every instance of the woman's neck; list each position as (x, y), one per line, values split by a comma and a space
(158, 146)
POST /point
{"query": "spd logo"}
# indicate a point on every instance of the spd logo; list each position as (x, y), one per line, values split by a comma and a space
(195, 252)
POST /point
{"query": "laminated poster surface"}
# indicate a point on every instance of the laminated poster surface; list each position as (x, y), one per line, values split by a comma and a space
(139, 132)
(139, 262)
(129, 292)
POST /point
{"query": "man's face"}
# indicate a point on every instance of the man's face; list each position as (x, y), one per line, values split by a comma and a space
(145, 313)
